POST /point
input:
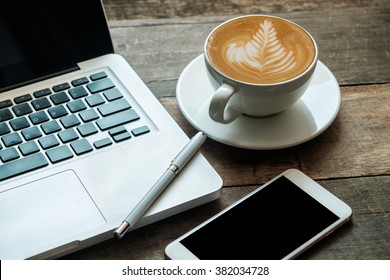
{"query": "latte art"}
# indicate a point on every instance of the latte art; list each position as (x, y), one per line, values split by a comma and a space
(260, 49)
(262, 55)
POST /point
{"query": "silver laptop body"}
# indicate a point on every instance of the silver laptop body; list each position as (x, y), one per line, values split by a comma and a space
(80, 188)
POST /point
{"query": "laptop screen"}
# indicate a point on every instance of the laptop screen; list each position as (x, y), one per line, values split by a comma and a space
(42, 37)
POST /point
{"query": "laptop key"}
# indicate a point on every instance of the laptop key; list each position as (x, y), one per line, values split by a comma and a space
(50, 127)
(119, 134)
(9, 154)
(89, 115)
(112, 94)
(28, 148)
(95, 100)
(81, 146)
(59, 154)
(140, 130)
(57, 111)
(80, 81)
(113, 107)
(76, 106)
(61, 87)
(59, 98)
(4, 129)
(100, 85)
(102, 143)
(22, 165)
(5, 115)
(87, 129)
(41, 103)
(19, 123)
(5, 104)
(121, 137)
(31, 133)
(117, 130)
(38, 117)
(22, 98)
(11, 139)
(22, 109)
(98, 76)
(42, 92)
(68, 135)
(48, 142)
(78, 92)
(69, 121)
(120, 118)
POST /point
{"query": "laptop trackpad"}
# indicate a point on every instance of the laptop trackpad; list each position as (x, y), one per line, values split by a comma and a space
(44, 212)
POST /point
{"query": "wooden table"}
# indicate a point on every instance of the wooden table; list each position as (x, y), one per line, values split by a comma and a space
(351, 158)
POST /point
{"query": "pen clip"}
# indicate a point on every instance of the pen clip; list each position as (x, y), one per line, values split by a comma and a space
(175, 169)
(189, 150)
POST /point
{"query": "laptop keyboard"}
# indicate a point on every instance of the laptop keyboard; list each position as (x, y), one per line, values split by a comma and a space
(53, 125)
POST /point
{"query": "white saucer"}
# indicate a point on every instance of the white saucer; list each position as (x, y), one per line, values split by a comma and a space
(306, 119)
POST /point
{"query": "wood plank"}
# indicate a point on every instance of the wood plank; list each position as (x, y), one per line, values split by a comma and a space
(356, 144)
(367, 235)
(368, 197)
(353, 43)
(146, 9)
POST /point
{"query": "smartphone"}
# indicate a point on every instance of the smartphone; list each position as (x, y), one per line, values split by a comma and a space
(279, 220)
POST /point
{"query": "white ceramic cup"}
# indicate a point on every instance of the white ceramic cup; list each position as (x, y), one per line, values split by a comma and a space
(234, 97)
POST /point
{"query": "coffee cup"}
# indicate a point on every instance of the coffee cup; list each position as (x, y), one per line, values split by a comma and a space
(260, 66)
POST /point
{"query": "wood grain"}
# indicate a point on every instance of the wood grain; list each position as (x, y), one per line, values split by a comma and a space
(352, 43)
(141, 9)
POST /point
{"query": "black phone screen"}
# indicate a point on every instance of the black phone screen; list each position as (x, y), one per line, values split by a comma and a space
(269, 225)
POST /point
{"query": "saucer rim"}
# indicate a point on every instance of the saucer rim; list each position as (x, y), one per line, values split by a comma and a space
(228, 142)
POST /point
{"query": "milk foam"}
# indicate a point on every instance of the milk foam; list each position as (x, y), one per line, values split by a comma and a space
(262, 55)
(260, 50)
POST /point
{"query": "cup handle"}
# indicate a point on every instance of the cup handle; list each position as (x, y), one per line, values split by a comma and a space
(218, 110)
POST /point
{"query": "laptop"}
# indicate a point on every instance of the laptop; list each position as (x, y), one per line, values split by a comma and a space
(82, 139)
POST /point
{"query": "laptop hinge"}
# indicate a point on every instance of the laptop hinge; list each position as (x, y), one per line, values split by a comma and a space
(41, 78)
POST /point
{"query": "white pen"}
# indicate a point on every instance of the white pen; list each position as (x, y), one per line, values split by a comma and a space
(177, 164)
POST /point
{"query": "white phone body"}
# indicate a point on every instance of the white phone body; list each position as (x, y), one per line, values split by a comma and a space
(279, 220)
